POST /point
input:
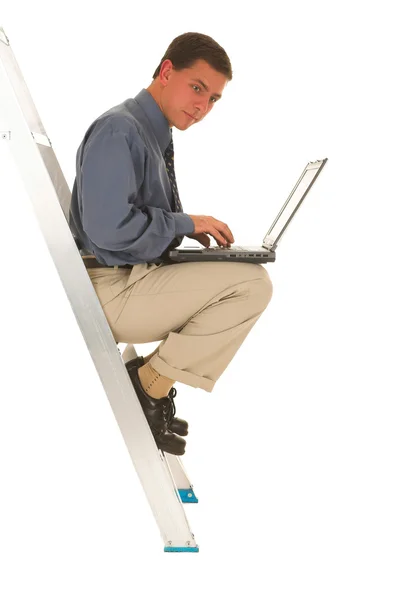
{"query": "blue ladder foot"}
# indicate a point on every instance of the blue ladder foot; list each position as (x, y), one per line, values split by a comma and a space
(181, 549)
(188, 496)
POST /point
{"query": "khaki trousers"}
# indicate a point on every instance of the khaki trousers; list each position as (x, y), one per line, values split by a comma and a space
(201, 312)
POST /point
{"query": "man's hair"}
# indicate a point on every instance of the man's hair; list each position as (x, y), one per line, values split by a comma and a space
(187, 48)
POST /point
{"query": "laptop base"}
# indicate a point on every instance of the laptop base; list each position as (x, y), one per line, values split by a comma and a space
(199, 256)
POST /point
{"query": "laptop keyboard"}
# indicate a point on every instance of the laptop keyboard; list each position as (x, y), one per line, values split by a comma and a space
(230, 249)
(255, 251)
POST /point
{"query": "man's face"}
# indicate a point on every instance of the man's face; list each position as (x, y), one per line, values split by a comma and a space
(187, 96)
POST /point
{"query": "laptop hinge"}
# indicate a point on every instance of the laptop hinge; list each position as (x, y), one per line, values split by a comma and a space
(268, 243)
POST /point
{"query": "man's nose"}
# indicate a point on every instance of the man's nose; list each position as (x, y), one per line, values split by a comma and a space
(201, 107)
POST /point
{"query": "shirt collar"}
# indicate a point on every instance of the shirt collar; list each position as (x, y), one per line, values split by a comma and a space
(158, 123)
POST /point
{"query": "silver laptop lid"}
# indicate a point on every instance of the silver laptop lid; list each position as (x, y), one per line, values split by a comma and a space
(296, 197)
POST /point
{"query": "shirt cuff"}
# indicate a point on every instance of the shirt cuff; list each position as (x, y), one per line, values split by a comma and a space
(183, 224)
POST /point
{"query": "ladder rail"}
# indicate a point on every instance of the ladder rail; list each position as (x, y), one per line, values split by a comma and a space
(22, 130)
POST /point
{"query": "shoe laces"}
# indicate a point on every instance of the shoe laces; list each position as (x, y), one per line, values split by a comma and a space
(169, 408)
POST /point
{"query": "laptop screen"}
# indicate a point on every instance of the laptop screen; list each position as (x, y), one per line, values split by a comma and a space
(296, 197)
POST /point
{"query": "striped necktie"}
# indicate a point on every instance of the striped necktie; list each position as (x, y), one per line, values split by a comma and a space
(169, 163)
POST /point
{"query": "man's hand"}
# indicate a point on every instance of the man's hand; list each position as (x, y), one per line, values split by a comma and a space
(200, 237)
(219, 230)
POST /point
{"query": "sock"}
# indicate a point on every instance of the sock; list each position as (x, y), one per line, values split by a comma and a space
(154, 384)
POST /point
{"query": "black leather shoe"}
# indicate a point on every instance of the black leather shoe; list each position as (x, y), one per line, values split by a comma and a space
(158, 414)
(178, 426)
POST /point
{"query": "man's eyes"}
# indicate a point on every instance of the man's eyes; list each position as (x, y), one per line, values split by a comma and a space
(196, 86)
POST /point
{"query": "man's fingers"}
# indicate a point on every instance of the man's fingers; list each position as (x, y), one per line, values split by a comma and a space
(225, 231)
(203, 239)
(218, 237)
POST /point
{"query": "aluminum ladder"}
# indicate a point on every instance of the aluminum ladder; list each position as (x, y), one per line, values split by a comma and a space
(162, 475)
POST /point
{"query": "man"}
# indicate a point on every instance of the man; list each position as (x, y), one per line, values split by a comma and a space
(126, 213)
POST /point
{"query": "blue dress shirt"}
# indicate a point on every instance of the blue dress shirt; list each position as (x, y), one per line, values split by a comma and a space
(122, 198)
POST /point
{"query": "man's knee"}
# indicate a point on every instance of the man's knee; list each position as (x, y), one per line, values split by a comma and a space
(261, 288)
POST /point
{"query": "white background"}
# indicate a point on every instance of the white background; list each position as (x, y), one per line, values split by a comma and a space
(295, 455)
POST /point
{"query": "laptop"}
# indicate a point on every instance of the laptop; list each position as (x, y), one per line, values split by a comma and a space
(266, 252)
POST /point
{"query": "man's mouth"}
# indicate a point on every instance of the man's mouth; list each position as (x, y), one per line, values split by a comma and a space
(194, 118)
